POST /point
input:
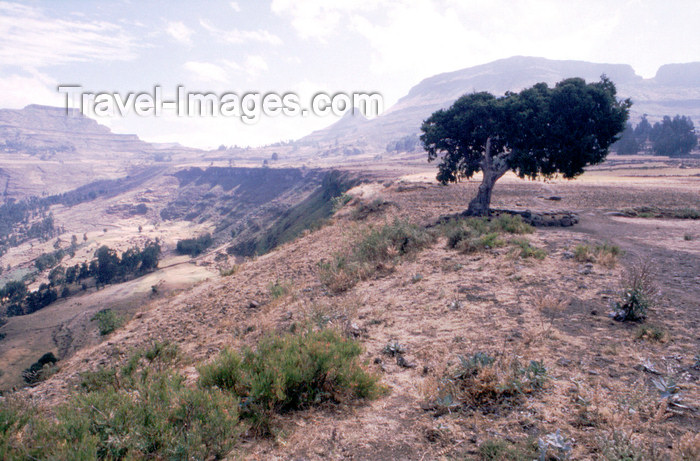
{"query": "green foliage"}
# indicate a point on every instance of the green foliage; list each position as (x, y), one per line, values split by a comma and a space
(143, 411)
(481, 381)
(538, 131)
(291, 372)
(41, 369)
(370, 252)
(340, 201)
(107, 321)
(673, 136)
(628, 143)
(194, 246)
(501, 450)
(604, 253)
(650, 332)
(278, 289)
(638, 293)
(527, 250)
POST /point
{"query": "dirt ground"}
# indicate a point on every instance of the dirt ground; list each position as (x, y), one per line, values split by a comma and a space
(599, 373)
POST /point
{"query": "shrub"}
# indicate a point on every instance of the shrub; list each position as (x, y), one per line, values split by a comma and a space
(278, 289)
(481, 381)
(473, 234)
(650, 332)
(41, 369)
(107, 321)
(604, 254)
(291, 372)
(194, 246)
(501, 449)
(340, 201)
(374, 248)
(527, 250)
(638, 293)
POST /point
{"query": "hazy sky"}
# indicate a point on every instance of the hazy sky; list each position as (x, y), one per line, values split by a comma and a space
(306, 46)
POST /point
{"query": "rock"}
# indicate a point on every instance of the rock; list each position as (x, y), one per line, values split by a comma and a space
(567, 255)
(564, 362)
(594, 312)
(554, 198)
(253, 305)
(377, 360)
(402, 362)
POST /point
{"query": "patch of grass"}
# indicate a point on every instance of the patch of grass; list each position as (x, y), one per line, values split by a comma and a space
(501, 449)
(474, 234)
(340, 201)
(365, 209)
(620, 446)
(638, 293)
(107, 321)
(291, 372)
(527, 250)
(230, 271)
(278, 289)
(604, 254)
(371, 252)
(483, 382)
(651, 333)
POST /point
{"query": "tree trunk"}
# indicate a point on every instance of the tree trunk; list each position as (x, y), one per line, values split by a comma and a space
(492, 170)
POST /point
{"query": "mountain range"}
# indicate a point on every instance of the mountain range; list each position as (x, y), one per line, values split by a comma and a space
(674, 90)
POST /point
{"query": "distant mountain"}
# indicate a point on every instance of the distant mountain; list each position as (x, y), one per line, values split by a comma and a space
(48, 150)
(53, 131)
(675, 89)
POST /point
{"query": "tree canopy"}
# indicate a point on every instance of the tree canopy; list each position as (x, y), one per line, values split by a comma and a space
(540, 131)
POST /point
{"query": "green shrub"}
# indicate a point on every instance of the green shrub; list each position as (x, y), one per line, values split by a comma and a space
(107, 321)
(141, 411)
(41, 369)
(501, 449)
(604, 254)
(650, 332)
(340, 201)
(527, 250)
(291, 372)
(638, 293)
(194, 246)
(474, 234)
(481, 381)
(374, 248)
(278, 289)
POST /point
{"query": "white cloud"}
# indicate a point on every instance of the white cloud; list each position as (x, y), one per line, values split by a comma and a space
(235, 6)
(30, 39)
(321, 18)
(17, 91)
(180, 32)
(206, 71)
(255, 65)
(237, 36)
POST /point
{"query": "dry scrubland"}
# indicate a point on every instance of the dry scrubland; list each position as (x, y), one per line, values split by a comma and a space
(481, 349)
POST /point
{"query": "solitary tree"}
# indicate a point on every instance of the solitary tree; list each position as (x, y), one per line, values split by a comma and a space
(540, 131)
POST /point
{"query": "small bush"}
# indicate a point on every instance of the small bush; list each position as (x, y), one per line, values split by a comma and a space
(474, 234)
(501, 449)
(638, 293)
(604, 254)
(481, 381)
(340, 201)
(41, 369)
(527, 250)
(278, 289)
(651, 333)
(107, 321)
(194, 246)
(230, 271)
(291, 372)
(370, 252)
